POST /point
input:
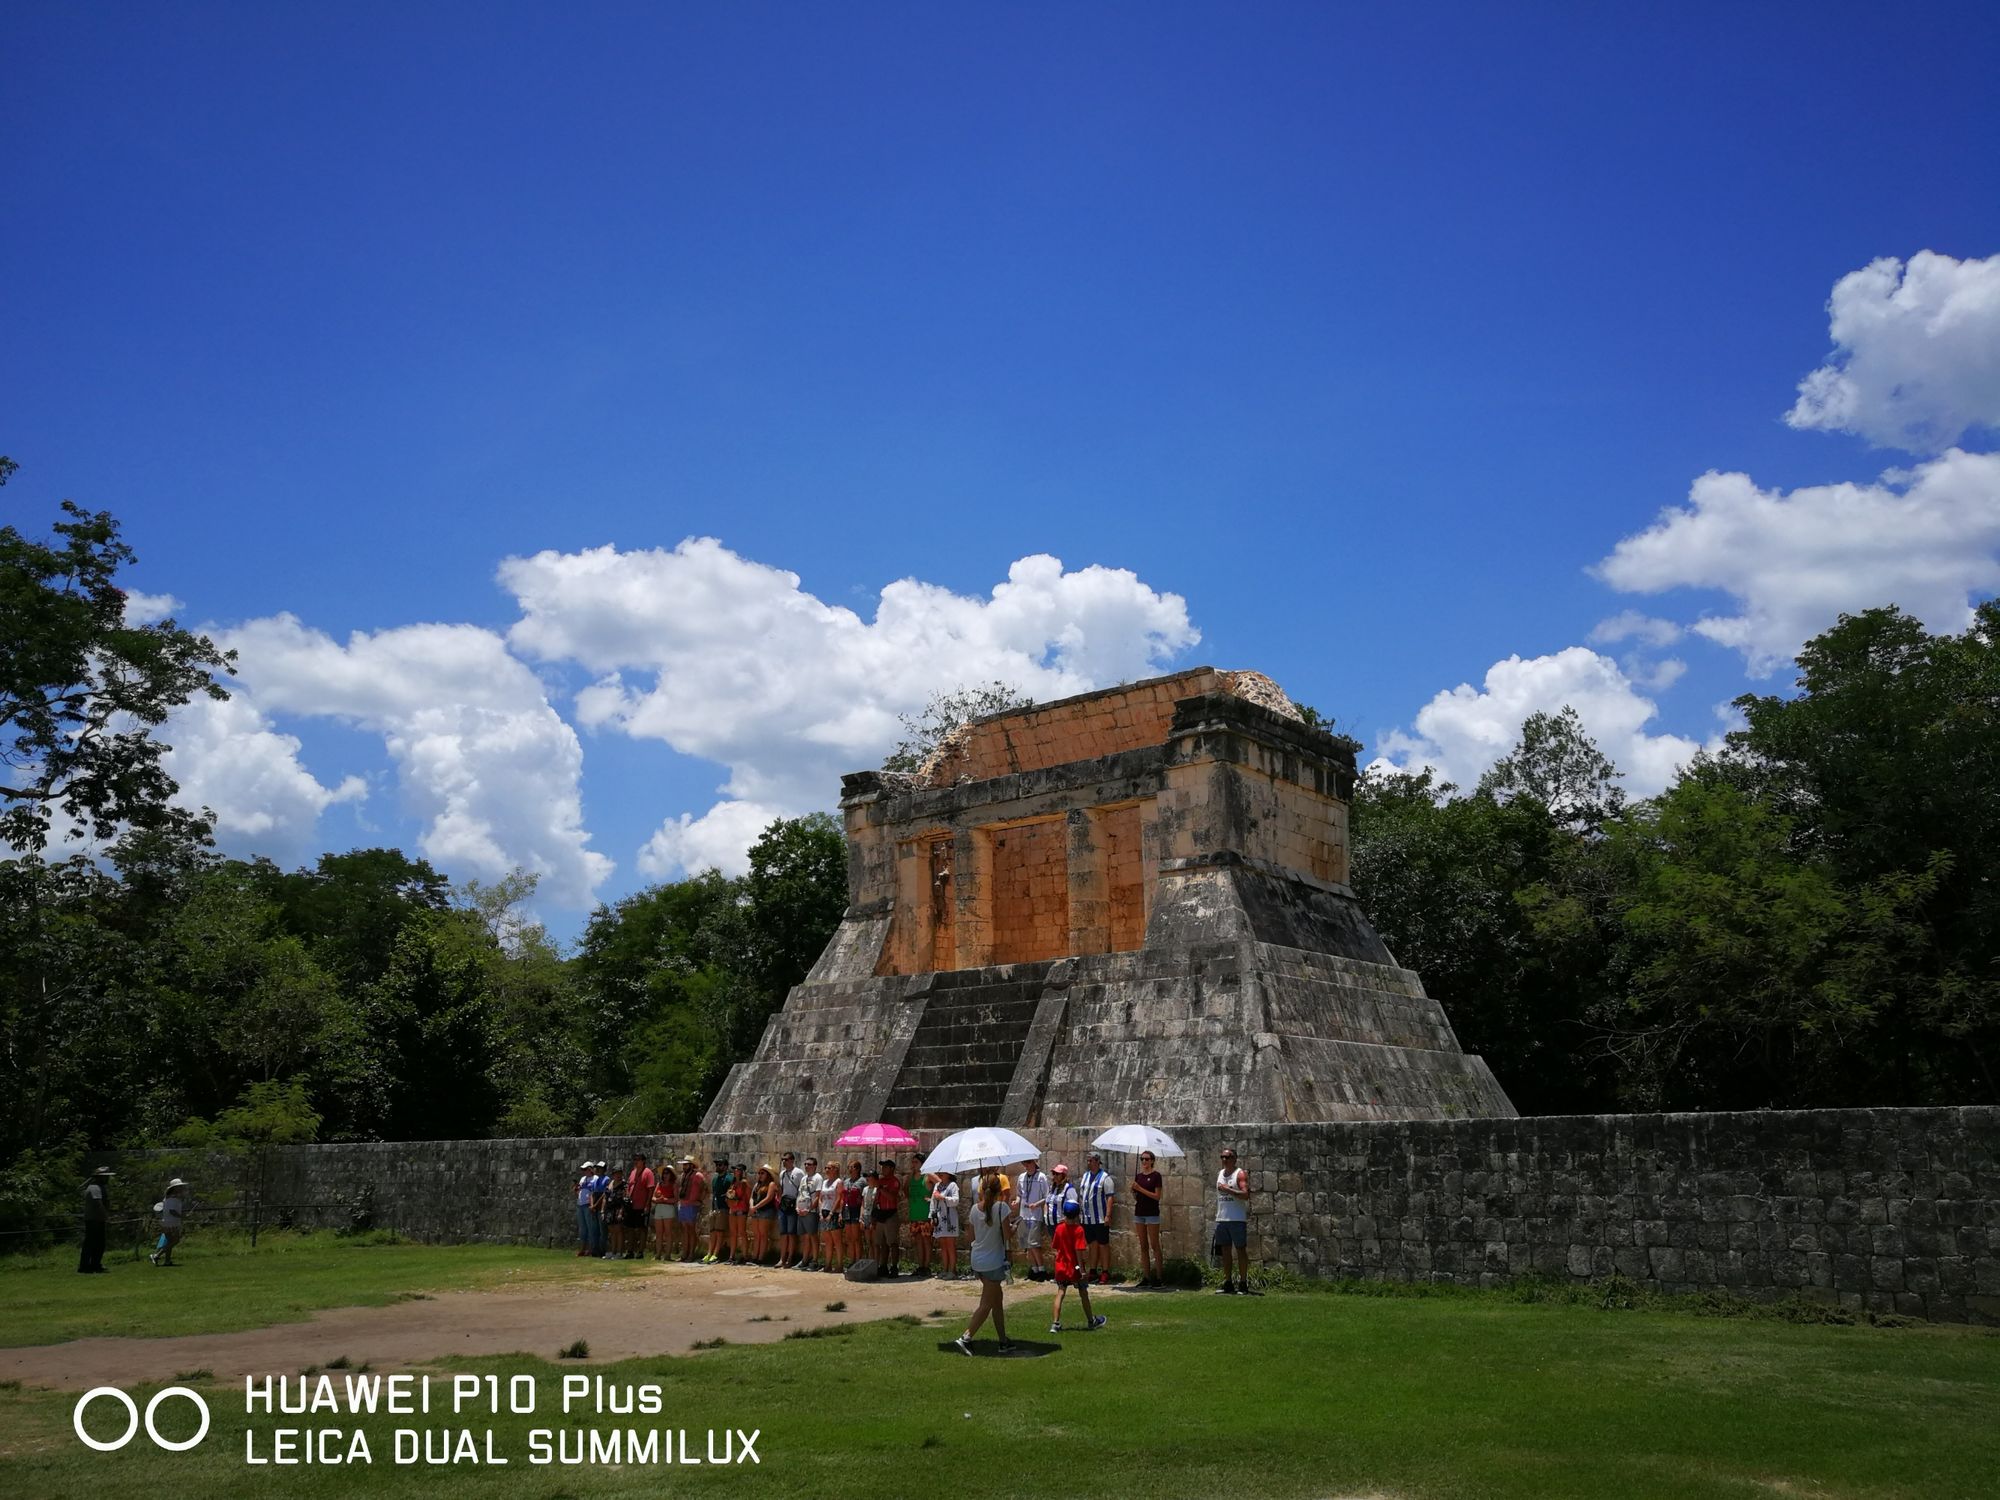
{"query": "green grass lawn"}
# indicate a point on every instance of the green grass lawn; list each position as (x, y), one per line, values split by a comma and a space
(1303, 1395)
(220, 1284)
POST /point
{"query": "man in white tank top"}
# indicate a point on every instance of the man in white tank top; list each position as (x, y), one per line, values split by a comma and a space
(1232, 1224)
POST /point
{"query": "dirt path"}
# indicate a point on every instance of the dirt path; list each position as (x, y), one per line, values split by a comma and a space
(665, 1311)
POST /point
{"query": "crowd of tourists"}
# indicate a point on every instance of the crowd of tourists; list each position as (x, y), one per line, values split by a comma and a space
(798, 1214)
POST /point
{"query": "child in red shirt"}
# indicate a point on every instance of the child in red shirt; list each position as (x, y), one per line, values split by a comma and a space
(1069, 1246)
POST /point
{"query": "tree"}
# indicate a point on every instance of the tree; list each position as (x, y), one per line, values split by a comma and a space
(81, 689)
(924, 732)
(796, 893)
(1560, 766)
(1483, 898)
(351, 908)
(1885, 764)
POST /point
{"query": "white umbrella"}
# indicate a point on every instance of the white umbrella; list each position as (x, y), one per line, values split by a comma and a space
(986, 1146)
(1132, 1139)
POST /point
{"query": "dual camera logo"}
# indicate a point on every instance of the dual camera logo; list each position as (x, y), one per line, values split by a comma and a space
(132, 1418)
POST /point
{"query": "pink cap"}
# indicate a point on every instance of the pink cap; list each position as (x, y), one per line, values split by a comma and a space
(1061, 1167)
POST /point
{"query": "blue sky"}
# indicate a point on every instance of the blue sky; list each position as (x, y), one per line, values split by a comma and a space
(1370, 343)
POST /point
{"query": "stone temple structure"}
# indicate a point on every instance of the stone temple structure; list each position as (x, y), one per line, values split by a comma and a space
(1129, 905)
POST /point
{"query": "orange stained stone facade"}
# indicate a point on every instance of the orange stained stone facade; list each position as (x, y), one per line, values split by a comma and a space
(1040, 833)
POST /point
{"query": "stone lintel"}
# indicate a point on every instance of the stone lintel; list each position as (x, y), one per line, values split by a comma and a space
(1224, 729)
(1230, 859)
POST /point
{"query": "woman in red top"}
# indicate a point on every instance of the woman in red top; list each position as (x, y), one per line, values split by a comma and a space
(1069, 1244)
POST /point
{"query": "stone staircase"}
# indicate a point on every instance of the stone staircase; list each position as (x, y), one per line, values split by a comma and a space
(966, 1047)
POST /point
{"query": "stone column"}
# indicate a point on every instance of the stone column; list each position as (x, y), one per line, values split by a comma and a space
(1089, 907)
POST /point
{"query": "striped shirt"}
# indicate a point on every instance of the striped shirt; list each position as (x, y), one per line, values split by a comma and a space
(1094, 1193)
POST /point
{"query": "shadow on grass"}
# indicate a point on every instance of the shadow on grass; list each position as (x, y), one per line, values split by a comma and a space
(990, 1349)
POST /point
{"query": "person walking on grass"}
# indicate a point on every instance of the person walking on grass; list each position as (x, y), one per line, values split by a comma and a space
(1232, 1223)
(1096, 1193)
(944, 1221)
(990, 1218)
(171, 1208)
(693, 1185)
(1147, 1187)
(1069, 1246)
(96, 1220)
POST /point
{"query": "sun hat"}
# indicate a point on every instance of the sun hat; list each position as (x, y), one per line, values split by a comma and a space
(104, 1172)
(178, 1182)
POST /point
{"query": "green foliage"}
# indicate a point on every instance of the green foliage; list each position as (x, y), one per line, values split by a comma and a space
(1810, 918)
(1560, 767)
(924, 732)
(80, 688)
(681, 978)
(268, 1114)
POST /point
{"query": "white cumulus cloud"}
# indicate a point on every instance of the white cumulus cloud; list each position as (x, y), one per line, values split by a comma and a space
(147, 609)
(729, 659)
(1631, 625)
(1462, 732)
(227, 757)
(481, 756)
(1924, 540)
(719, 839)
(1916, 362)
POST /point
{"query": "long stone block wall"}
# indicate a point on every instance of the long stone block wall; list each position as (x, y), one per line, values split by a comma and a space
(1891, 1210)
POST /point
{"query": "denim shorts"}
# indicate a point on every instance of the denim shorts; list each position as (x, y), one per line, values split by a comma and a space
(1232, 1234)
(1145, 1218)
(788, 1221)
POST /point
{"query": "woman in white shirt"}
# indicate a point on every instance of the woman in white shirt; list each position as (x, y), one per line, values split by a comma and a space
(944, 1219)
(990, 1219)
(832, 1233)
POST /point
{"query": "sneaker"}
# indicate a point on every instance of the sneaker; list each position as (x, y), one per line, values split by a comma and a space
(1228, 1289)
(1246, 1290)
(962, 1344)
(1055, 1328)
(1098, 1321)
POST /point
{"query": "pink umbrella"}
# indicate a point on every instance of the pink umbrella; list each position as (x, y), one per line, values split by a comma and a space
(876, 1134)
